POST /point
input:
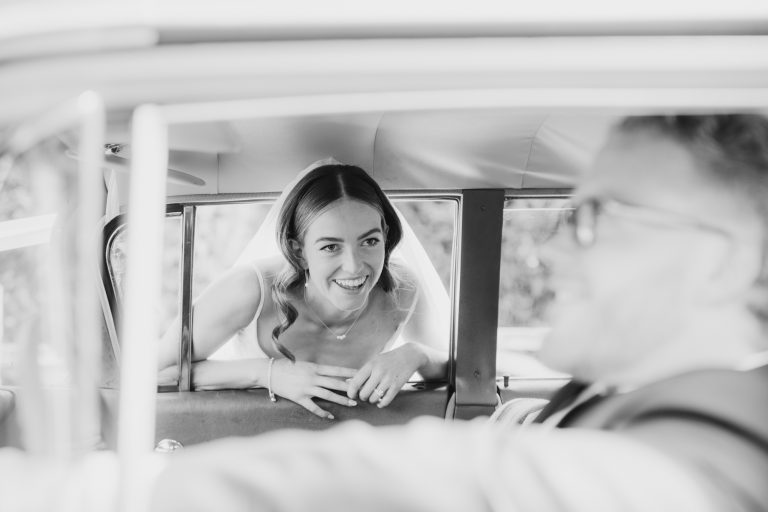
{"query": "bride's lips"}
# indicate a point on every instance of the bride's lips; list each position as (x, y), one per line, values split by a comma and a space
(352, 284)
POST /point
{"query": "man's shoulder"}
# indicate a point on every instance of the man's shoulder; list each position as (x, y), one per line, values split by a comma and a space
(716, 392)
(730, 399)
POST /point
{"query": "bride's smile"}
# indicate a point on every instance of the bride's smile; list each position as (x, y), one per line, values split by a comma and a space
(351, 284)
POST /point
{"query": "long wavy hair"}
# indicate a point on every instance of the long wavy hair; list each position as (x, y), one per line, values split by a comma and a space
(314, 193)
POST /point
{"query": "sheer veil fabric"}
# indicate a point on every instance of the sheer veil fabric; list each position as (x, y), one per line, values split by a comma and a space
(410, 253)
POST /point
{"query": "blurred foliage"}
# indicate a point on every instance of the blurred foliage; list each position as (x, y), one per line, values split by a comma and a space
(35, 279)
(18, 279)
(523, 288)
(221, 234)
(434, 223)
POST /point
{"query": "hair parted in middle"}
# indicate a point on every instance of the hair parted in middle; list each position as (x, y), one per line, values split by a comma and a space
(311, 196)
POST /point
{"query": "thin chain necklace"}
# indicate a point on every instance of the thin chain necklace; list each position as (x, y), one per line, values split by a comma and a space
(339, 337)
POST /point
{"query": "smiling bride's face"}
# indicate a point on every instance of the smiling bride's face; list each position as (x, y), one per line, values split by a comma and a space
(343, 249)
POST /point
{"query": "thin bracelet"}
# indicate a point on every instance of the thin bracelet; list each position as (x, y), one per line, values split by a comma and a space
(269, 380)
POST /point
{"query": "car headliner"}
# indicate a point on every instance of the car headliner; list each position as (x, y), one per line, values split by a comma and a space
(415, 151)
(487, 98)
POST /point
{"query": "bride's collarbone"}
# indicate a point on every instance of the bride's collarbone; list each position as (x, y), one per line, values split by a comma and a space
(308, 339)
(374, 327)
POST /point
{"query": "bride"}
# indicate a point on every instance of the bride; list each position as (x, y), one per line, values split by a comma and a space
(326, 311)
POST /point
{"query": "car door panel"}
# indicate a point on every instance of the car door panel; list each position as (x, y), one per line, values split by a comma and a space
(199, 416)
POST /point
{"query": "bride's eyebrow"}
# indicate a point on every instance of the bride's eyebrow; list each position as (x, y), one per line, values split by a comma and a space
(369, 233)
(334, 240)
(328, 239)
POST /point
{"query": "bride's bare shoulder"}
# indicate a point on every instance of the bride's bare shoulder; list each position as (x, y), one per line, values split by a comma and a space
(270, 267)
(252, 279)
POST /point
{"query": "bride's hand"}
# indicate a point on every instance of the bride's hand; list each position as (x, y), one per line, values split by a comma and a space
(381, 378)
(301, 381)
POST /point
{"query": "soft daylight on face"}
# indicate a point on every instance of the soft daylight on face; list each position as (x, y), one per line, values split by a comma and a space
(602, 289)
(344, 253)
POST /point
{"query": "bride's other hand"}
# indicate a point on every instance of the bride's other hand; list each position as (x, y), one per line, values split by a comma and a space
(380, 379)
(301, 381)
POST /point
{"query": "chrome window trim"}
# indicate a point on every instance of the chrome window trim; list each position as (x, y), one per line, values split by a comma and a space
(185, 299)
(111, 230)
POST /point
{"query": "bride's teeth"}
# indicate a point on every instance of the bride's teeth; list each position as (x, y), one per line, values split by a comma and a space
(350, 283)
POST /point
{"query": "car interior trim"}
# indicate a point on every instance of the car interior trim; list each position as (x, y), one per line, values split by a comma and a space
(476, 295)
(185, 306)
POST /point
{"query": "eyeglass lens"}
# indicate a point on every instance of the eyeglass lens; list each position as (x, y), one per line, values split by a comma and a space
(583, 219)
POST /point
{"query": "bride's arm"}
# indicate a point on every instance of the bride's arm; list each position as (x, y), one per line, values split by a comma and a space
(223, 309)
(227, 306)
(299, 381)
(223, 374)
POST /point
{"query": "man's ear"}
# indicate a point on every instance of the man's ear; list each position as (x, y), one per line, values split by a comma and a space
(733, 272)
(298, 251)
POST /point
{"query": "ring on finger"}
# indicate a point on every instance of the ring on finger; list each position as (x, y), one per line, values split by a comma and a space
(379, 392)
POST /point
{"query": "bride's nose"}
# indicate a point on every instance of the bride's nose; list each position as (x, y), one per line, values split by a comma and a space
(351, 261)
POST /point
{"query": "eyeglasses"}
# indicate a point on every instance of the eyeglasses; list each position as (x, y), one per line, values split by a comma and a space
(583, 217)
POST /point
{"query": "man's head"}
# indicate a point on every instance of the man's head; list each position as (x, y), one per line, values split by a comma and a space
(665, 260)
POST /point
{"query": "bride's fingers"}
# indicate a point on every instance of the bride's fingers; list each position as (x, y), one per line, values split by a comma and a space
(335, 371)
(332, 383)
(312, 407)
(333, 397)
(373, 390)
(389, 395)
(357, 382)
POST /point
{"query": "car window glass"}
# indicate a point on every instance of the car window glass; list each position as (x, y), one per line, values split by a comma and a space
(222, 232)
(116, 250)
(433, 221)
(523, 289)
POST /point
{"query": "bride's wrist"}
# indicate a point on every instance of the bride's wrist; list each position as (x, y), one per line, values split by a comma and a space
(420, 354)
(260, 375)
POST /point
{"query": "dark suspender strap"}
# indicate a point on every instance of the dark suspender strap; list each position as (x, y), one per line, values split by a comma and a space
(562, 398)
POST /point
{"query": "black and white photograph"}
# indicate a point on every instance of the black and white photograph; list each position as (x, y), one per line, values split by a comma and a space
(340, 256)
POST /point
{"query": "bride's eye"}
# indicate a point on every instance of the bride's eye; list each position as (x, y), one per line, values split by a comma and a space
(330, 248)
(371, 242)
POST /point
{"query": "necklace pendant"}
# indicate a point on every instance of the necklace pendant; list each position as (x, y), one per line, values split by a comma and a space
(340, 336)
